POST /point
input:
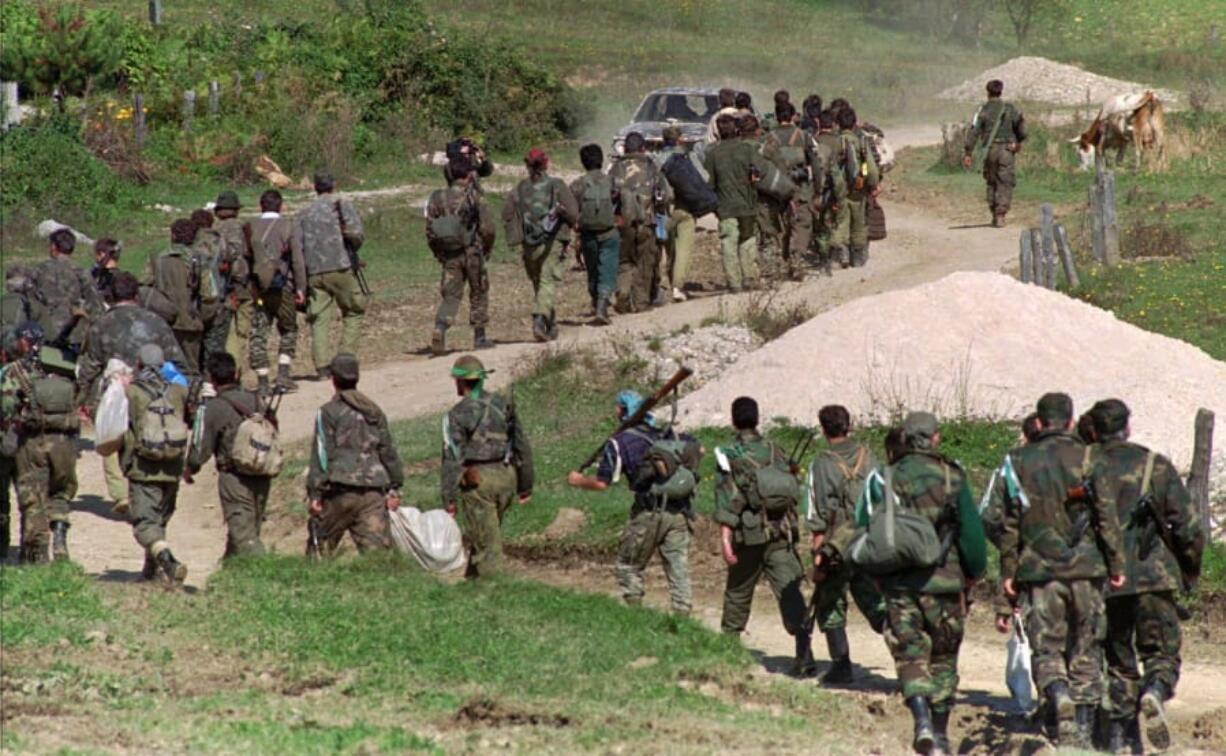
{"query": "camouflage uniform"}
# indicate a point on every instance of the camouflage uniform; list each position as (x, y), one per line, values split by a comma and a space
(120, 333)
(59, 288)
(786, 229)
(638, 273)
(14, 310)
(466, 266)
(1142, 617)
(728, 164)
(761, 543)
(487, 460)
(244, 498)
(852, 231)
(210, 250)
(153, 485)
(231, 328)
(831, 212)
(544, 263)
(275, 304)
(354, 464)
(179, 274)
(998, 164)
(332, 283)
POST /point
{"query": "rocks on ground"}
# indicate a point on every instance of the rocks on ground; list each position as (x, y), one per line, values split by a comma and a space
(708, 351)
(1041, 80)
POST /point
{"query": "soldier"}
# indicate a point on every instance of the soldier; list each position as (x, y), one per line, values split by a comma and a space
(599, 239)
(832, 208)
(180, 276)
(681, 226)
(999, 128)
(63, 294)
(106, 262)
(355, 475)
(1163, 546)
(41, 426)
(487, 464)
(729, 165)
(152, 457)
(326, 230)
(279, 279)
(243, 497)
(658, 523)
(8, 409)
(727, 107)
(644, 197)
(758, 534)
(811, 111)
(926, 607)
(538, 217)
(460, 232)
(120, 333)
(230, 327)
(1056, 546)
(790, 225)
(855, 160)
(835, 480)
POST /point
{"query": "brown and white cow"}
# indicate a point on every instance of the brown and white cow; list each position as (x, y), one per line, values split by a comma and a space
(1136, 119)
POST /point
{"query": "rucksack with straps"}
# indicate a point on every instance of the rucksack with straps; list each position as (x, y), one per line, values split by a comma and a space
(596, 212)
(768, 487)
(853, 478)
(669, 469)
(449, 232)
(52, 404)
(691, 191)
(536, 203)
(638, 191)
(256, 448)
(161, 432)
(896, 538)
(792, 153)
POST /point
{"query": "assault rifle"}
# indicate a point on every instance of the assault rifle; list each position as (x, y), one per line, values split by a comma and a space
(355, 263)
(800, 450)
(644, 409)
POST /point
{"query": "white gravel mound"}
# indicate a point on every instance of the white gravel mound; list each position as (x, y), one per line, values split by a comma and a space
(1041, 80)
(978, 345)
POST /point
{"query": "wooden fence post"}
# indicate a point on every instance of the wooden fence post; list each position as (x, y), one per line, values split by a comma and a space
(1025, 262)
(238, 85)
(1066, 257)
(1037, 276)
(1097, 250)
(1111, 228)
(138, 120)
(1047, 218)
(1198, 476)
(155, 12)
(10, 104)
(214, 98)
(189, 109)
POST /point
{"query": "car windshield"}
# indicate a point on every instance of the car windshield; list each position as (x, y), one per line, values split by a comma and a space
(686, 108)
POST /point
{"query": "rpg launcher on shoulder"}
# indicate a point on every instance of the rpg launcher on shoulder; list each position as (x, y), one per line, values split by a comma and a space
(355, 263)
(644, 409)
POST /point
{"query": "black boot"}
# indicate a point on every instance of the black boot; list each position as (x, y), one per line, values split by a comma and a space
(840, 658)
(540, 328)
(859, 256)
(262, 386)
(480, 340)
(59, 541)
(176, 571)
(552, 322)
(1065, 711)
(150, 570)
(285, 384)
(602, 311)
(925, 735)
(940, 723)
(1117, 736)
(1085, 726)
(803, 665)
(1157, 729)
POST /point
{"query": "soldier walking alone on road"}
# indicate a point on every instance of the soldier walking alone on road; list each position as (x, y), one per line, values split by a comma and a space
(998, 128)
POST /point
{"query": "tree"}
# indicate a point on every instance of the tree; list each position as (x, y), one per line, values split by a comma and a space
(58, 49)
(1022, 15)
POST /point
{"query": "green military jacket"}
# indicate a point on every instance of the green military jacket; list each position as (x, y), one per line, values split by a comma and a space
(928, 483)
(141, 393)
(1043, 534)
(792, 140)
(731, 505)
(1012, 125)
(453, 200)
(353, 447)
(1150, 564)
(215, 426)
(728, 164)
(836, 478)
(179, 274)
(482, 430)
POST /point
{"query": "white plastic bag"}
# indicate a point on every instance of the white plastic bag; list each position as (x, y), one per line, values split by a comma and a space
(111, 419)
(433, 538)
(1017, 668)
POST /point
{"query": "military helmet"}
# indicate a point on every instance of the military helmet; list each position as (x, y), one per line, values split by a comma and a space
(469, 368)
(227, 200)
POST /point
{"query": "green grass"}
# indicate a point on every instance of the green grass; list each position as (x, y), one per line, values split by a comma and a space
(40, 606)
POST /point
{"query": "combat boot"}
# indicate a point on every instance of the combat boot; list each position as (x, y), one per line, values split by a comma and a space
(540, 328)
(480, 341)
(262, 386)
(843, 255)
(175, 571)
(998, 220)
(1157, 729)
(925, 735)
(803, 665)
(840, 658)
(940, 723)
(552, 323)
(1065, 711)
(59, 541)
(1085, 726)
(285, 384)
(602, 311)
(1117, 736)
(438, 342)
(150, 569)
(859, 256)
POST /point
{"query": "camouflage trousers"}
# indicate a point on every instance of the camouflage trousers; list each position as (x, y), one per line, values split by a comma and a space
(153, 504)
(481, 511)
(778, 560)
(360, 512)
(998, 173)
(8, 473)
(46, 467)
(1144, 625)
(638, 268)
(216, 332)
(924, 633)
(273, 308)
(830, 599)
(466, 268)
(739, 250)
(330, 292)
(784, 236)
(243, 501)
(647, 532)
(1066, 624)
(545, 265)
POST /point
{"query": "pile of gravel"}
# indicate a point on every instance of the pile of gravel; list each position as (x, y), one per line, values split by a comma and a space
(708, 351)
(1046, 81)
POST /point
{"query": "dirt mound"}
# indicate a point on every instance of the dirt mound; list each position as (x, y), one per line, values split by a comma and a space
(1042, 80)
(708, 351)
(976, 345)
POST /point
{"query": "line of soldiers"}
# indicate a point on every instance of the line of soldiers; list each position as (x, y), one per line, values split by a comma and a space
(803, 191)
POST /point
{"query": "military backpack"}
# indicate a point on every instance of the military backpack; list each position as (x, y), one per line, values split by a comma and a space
(896, 538)
(768, 487)
(596, 212)
(256, 448)
(161, 433)
(669, 469)
(637, 191)
(449, 232)
(537, 202)
(265, 258)
(491, 436)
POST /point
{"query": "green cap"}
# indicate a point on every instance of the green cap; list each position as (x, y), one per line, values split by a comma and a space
(227, 200)
(344, 366)
(469, 368)
(1110, 416)
(920, 425)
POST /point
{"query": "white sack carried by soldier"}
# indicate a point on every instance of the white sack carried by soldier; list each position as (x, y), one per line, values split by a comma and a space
(432, 538)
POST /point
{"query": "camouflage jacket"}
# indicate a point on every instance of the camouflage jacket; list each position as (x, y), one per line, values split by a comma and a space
(483, 431)
(216, 423)
(790, 135)
(936, 487)
(179, 274)
(353, 447)
(317, 230)
(836, 478)
(141, 393)
(60, 287)
(275, 234)
(454, 200)
(639, 174)
(730, 501)
(1151, 565)
(20, 413)
(1043, 534)
(728, 165)
(1012, 125)
(120, 333)
(236, 271)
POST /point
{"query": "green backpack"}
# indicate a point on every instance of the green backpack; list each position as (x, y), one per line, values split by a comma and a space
(53, 401)
(896, 538)
(448, 232)
(161, 432)
(671, 464)
(768, 487)
(790, 154)
(536, 204)
(596, 205)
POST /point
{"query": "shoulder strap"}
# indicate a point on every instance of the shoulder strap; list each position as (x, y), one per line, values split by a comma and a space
(240, 410)
(1147, 476)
